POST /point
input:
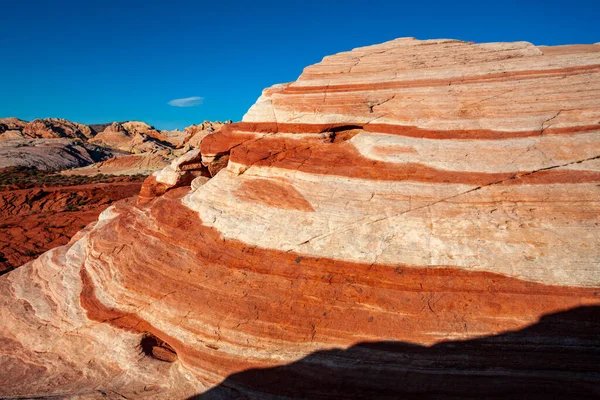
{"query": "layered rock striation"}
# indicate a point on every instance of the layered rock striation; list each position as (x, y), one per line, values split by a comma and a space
(432, 206)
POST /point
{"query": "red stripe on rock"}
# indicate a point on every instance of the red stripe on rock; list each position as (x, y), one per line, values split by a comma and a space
(488, 78)
(234, 134)
(343, 159)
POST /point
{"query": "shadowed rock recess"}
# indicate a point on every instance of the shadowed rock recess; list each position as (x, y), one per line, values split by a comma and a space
(415, 219)
(555, 358)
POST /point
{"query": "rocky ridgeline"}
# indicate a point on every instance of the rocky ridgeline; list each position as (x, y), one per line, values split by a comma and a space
(415, 219)
(57, 144)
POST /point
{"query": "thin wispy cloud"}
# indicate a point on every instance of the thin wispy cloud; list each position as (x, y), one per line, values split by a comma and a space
(187, 102)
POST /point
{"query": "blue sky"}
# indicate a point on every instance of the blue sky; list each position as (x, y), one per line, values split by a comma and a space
(95, 62)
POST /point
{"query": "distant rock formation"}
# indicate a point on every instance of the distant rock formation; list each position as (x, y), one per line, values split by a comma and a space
(52, 154)
(33, 144)
(130, 138)
(49, 128)
(131, 164)
(431, 206)
(139, 137)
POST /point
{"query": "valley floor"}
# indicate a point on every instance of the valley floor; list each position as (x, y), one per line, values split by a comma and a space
(36, 217)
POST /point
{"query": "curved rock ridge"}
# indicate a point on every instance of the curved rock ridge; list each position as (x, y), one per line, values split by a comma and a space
(434, 194)
(477, 156)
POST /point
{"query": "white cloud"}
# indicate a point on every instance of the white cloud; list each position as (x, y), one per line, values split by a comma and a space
(187, 102)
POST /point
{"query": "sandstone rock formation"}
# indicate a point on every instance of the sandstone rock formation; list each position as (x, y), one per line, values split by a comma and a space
(48, 128)
(433, 206)
(131, 164)
(52, 154)
(139, 137)
(25, 144)
(194, 134)
(118, 135)
(133, 137)
(11, 128)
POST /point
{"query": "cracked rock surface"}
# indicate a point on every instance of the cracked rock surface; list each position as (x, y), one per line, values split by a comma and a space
(419, 192)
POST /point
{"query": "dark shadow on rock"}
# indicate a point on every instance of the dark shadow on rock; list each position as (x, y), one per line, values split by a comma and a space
(556, 358)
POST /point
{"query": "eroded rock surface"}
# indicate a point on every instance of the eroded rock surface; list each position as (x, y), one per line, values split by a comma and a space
(131, 164)
(56, 144)
(414, 192)
(52, 154)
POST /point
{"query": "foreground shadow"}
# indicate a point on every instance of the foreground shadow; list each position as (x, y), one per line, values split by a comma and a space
(557, 358)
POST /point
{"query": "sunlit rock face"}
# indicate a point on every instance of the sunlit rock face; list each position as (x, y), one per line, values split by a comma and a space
(414, 192)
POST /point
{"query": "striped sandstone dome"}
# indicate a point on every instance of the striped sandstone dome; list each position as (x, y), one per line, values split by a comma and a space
(430, 209)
